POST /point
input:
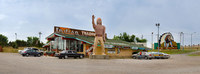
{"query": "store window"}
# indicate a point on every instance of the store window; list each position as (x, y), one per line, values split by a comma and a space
(74, 45)
(79, 47)
(111, 51)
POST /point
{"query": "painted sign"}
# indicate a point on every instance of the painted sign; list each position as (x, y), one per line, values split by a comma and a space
(71, 31)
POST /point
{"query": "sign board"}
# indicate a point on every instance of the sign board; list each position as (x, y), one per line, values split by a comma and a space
(108, 46)
(71, 31)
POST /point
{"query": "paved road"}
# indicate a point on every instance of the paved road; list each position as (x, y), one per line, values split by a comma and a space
(12, 63)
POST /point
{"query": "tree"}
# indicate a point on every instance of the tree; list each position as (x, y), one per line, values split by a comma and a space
(129, 38)
(21, 43)
(34, 41)
(3, 40)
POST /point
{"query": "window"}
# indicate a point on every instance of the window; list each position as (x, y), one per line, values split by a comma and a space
(112, 51)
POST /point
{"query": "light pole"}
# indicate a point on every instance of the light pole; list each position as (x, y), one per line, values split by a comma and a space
(152, 40)
(15, 36)
(40, 36)
(183, 40)
(191, 39)
(181, 33)
(158, 24)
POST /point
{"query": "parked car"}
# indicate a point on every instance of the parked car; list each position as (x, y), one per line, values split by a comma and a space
(165, 56)
(160, 55)
(69, 53)
(31, 52)
(144, 55)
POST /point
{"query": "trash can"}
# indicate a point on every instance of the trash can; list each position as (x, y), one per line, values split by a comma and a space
(1, 49)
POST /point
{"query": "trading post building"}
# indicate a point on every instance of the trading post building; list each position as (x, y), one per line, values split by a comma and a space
(82, 41)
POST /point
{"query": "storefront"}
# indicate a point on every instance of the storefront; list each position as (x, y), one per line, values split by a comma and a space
(82, 42)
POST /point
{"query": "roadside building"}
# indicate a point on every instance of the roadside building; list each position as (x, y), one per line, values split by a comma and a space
(82, 41)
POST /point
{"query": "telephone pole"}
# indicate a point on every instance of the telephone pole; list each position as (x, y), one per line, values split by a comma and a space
(40, 36)
(158, 24)
(15, 36)
(152, 40)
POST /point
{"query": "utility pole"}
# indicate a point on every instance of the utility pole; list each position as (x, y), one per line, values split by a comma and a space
(40, 36)
(15, 36)
(183, 40)
(158, 24)
(180, 38)
(142, 36)
(191, 39)
(152, 40)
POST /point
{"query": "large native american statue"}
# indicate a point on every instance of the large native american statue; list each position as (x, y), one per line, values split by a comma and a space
(99, 34)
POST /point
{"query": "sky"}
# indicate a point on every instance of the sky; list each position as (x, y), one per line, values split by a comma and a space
(138, 17)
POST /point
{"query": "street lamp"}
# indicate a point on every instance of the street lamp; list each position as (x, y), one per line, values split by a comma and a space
(158, 24)
(191, 38)
(181, 34)
(15, 36)
(152, 40)
(40, 35)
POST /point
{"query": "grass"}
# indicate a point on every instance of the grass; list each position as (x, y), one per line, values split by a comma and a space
(175, 51)
(194, 54)
(12, 50)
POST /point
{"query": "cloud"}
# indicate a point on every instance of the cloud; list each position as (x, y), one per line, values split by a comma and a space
(2, 16)
(29, 17)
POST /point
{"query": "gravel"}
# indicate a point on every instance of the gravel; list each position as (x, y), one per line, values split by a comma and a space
(13, 63)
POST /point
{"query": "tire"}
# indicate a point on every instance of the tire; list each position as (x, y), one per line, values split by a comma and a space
(146, 58)
(81, 56)
(134, 57)
(59, 57)
(150, 58)
(27, 55)
(65, 57)
(39, 55)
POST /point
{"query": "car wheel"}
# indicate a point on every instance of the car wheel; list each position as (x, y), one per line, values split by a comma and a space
(134, 57)
(39, 55)
(27, 55)
(59, 57)
(66, 57)
(150, 58)
(146, 58)
(81, 56)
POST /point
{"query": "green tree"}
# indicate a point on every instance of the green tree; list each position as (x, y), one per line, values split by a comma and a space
(34, 41)
(3, 40)
(129, 38)
(21, 43)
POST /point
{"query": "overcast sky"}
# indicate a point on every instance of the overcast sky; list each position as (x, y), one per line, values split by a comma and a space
(28, 17)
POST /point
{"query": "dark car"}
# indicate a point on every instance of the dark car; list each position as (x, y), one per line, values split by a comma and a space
(31, 52)
(69, 53)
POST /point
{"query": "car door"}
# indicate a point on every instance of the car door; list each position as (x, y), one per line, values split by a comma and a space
(70, 53)
(74, 54)
(34, 51)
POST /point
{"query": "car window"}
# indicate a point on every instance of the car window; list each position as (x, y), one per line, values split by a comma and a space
(74, 51)
(69, 51)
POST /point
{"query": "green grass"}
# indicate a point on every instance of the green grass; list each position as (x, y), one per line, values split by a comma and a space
(174, 51)
(194, 54)
(13, 50)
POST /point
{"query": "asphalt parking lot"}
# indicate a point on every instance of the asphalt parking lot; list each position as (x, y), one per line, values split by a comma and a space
(13, 63)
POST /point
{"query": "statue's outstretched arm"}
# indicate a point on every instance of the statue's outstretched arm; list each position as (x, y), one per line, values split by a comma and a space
(93, 21)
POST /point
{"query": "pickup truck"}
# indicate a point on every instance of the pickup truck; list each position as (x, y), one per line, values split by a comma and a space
(69, 53)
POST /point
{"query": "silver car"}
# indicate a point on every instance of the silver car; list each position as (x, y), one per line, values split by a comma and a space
(144, 55)
(160, 55)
